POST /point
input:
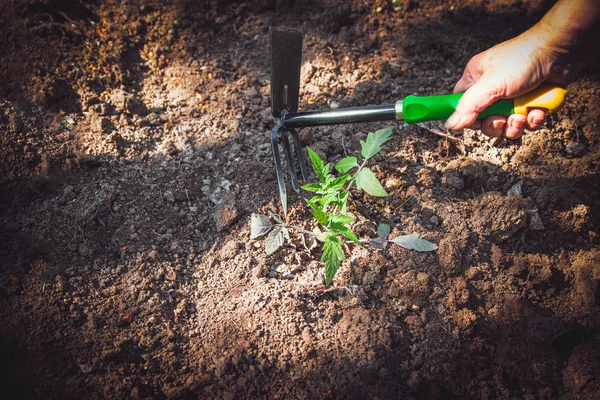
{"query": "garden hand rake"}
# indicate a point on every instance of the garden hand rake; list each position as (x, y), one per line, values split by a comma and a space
(285, 54)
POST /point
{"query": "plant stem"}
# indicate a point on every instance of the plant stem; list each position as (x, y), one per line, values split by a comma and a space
(335, 210)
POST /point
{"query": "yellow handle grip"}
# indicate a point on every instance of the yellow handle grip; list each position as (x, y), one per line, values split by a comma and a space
(546, 97)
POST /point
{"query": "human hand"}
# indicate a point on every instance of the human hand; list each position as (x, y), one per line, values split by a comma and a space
(507, 70)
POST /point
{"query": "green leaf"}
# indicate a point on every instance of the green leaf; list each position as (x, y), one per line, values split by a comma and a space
(414, 242)
(383, 231)
(259, 225)
(318, 164)
(332, 254)
(338, 247)
(367, 181)
(374, 142)
(325, 171)
(326, 200)
(318, 213)
(313, 187)
(274, 241)
(344, 230)
(323, 236)
(346, 164)
(320, 216)
(343, 202)
(341, 218)
(335, 185)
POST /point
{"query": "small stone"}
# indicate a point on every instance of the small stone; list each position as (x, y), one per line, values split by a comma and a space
(452, 179)
(434, 220)
(235, 124)
(292, 329)
(181, 307)
(118, 98)
(85, 368)
(535, 221)
(307, 136)
(259, 271)
(307, 70)
(152, 119)
(253, 93)
(392, 183)
(575, 149)
(136, 106)
(226, 213)
(423, 278)
(306, 336)
(61, 284)
(473, 273)
(171, 275)
(153, 255)
(169, 196)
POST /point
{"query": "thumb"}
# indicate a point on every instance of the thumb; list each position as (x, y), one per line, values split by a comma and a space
(476, 99)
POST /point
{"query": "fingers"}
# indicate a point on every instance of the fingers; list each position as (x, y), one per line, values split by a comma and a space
(513, 126)
(476, 99)
(493, 126)
(535, 119)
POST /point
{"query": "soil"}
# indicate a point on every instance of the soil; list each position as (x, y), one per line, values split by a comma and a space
(135, 148)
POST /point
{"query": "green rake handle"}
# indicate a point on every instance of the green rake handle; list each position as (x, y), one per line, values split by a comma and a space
(415, 109)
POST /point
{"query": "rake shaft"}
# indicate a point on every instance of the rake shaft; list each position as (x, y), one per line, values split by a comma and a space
(386, 112)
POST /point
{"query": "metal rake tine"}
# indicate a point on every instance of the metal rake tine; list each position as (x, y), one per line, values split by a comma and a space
(285, 139)
(299, 154)
(278, 167)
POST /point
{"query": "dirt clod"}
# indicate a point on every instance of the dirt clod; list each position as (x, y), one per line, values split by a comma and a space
(226, 212)
(498, 216)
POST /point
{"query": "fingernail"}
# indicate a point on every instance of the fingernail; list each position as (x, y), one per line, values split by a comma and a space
(515, 124)
(452, 121)
(498, 124)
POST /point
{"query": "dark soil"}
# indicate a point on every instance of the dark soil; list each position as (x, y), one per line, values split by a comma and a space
(134, 149)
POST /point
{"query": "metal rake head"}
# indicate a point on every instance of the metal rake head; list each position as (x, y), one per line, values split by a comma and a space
(282, 133)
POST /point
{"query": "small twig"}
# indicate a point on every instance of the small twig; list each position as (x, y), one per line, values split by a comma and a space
(188, 197)
(297, 229)
(439, 133)
(183, 156)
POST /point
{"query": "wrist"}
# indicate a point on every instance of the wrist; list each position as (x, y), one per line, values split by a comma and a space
(555, 50)
(570, 30)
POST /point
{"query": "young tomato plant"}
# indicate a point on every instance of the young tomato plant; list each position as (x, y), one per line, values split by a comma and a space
(329, 206)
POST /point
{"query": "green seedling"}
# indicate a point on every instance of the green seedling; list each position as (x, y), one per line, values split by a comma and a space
(329, 206)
